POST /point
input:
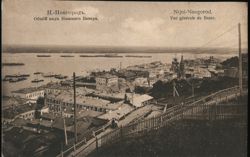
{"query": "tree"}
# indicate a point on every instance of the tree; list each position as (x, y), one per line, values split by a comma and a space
(39, 105)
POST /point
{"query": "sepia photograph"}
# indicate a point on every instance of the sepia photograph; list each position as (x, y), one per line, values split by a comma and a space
(124, 79)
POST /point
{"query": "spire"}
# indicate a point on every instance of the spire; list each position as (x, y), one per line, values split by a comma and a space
(182, 73)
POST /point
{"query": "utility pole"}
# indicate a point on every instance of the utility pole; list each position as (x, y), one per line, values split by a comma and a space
(173, 89)
(192, 89)
(132, 97)
(64, 126)
(74, 88)
(240, 61)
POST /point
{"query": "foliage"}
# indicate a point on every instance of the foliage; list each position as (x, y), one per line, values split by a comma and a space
(39, 105)
(165, 89)
(234, 62)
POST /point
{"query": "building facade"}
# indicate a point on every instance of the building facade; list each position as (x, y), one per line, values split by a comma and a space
(29, 93)
(106, 81)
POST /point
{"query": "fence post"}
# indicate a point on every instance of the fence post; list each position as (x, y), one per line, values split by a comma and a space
(74, 149)
(182, 111)
(61, 149)
(153, 122)
(96, 142)
(85, 140)
(161, 122)
(215, 111)
(121, 132)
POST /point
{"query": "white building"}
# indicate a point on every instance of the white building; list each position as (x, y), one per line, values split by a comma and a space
(141, 81)
(106, 81)
(29, 93)
(138, 100)
(27, 115)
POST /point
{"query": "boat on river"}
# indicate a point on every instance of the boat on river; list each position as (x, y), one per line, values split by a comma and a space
(37, 73)
(60, 76)
(43, 55)
(37, 80)
(48, 75)
(136, 56)
(105, 55)
(67, 56)
(17, 79)
(12, 64)
(6, 79)
(17, 75)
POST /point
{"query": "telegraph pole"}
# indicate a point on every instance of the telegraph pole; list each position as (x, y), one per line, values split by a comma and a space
(192, 89)
(240, 61)
(74, 88)
(173, 89)
(64, 126)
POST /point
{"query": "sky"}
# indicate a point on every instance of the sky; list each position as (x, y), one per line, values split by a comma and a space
(123, 24)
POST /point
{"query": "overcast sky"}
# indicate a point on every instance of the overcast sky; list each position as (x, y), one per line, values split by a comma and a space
(122, 24)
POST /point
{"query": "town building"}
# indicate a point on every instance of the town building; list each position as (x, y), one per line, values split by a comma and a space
(25, 111)
(121, 112)
(11, 101)
(141, 81)
(138, 100)
(201, 73)
(56, 87)
(64, 100)
(107, 83)
(32, 93)
(231, 72)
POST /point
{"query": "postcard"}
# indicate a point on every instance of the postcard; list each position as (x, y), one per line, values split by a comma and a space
(116, 79)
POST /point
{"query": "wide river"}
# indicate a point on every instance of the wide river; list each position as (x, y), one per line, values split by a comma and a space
(79, 65)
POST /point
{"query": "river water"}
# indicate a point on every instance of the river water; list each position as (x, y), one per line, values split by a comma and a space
(79, 65)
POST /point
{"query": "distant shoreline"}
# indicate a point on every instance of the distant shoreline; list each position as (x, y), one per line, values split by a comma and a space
(119, 50)
(187, 52)
(12, 64)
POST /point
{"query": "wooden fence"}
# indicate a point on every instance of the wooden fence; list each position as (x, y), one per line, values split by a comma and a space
(191, 110)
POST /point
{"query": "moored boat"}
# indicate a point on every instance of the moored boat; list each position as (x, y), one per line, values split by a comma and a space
(6, 79)
(12, 64)
(17, 75)
(48, 75)
(37, 80)
(138, 56)
(60, 76)
(43, 55)
(17, 79)
(67, 56)
(36, 73)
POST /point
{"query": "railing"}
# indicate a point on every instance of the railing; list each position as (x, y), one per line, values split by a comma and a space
(172, 114)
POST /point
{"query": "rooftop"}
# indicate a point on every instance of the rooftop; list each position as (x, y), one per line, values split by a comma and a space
(117, 114)
(56, 86)
(29, 90)
(8, 101)
(68, 89)
(83, 124)
(49, 116)
(11, 113)
(81, 113)
(107, 76)
(83, 100)
(138, 99)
